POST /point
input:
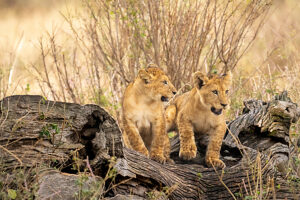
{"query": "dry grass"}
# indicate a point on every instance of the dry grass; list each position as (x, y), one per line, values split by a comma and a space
(272, 65)
(110, 40)
(22, 25)
(272, 62)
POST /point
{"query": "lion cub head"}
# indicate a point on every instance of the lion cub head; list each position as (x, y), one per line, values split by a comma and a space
(213, 90)
(156, 84)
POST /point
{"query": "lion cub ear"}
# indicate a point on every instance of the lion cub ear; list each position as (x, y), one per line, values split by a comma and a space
(144, 75)
(199, 80)
(227, 77)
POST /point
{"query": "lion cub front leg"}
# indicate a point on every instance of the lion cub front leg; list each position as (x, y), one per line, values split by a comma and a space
(212, 157)
(134, 138)
(158, 141)
(167, 149)
(188, 149)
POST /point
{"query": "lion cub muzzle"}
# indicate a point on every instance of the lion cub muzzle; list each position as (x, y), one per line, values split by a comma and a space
(216, 111)
(164, 99)
(167, 99)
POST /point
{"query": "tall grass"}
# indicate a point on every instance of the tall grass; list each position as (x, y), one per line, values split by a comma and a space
(110, 40)
(100, 47)
(273, 65)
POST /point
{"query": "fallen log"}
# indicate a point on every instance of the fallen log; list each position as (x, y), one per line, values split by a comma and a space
(36, 131)
(256, 148)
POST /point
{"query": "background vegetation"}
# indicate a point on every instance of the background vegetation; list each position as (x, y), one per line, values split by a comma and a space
(88, 51)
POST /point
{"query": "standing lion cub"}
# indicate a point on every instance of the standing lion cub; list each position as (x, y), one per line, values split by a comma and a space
(144, 127)
(201, 111)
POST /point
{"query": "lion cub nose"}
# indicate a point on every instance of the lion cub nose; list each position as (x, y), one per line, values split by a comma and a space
(174, 93)
(224, 105)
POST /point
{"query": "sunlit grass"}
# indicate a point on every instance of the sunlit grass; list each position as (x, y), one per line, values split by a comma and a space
(21, 27)
(270, 65)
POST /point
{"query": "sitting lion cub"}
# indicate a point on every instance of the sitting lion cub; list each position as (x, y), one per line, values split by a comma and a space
(201, 111)
(144, 127)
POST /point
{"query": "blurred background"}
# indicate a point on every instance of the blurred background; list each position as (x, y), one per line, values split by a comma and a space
(22, 25)
(88, 51)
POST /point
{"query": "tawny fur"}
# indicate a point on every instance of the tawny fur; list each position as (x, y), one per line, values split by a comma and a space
(143, 114)
(201, 111)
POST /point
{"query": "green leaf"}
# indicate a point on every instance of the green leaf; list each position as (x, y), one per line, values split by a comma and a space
(248, 197)
(12, 193)
(171, 134)
(214, 70)
(278, 186)
(55, 127)
(269, 91)
(27, 89)
(45, 131)
(199, 175)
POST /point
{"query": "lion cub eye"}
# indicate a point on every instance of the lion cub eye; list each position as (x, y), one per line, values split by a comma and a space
(215, 92)
(226, 91)
(165, 82)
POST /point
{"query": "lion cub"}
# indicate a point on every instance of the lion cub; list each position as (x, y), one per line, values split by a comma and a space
(143, 109)
(201, 111)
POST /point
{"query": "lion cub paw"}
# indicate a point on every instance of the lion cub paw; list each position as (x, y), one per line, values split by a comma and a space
(187, 155)
(158, 158)
(145, 152)
(170, 161)
(217, 163)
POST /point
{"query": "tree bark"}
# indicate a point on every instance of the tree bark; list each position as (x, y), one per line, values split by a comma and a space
(35, 131)
(256, 150)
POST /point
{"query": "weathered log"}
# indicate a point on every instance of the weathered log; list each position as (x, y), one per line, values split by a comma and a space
(35, 131)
